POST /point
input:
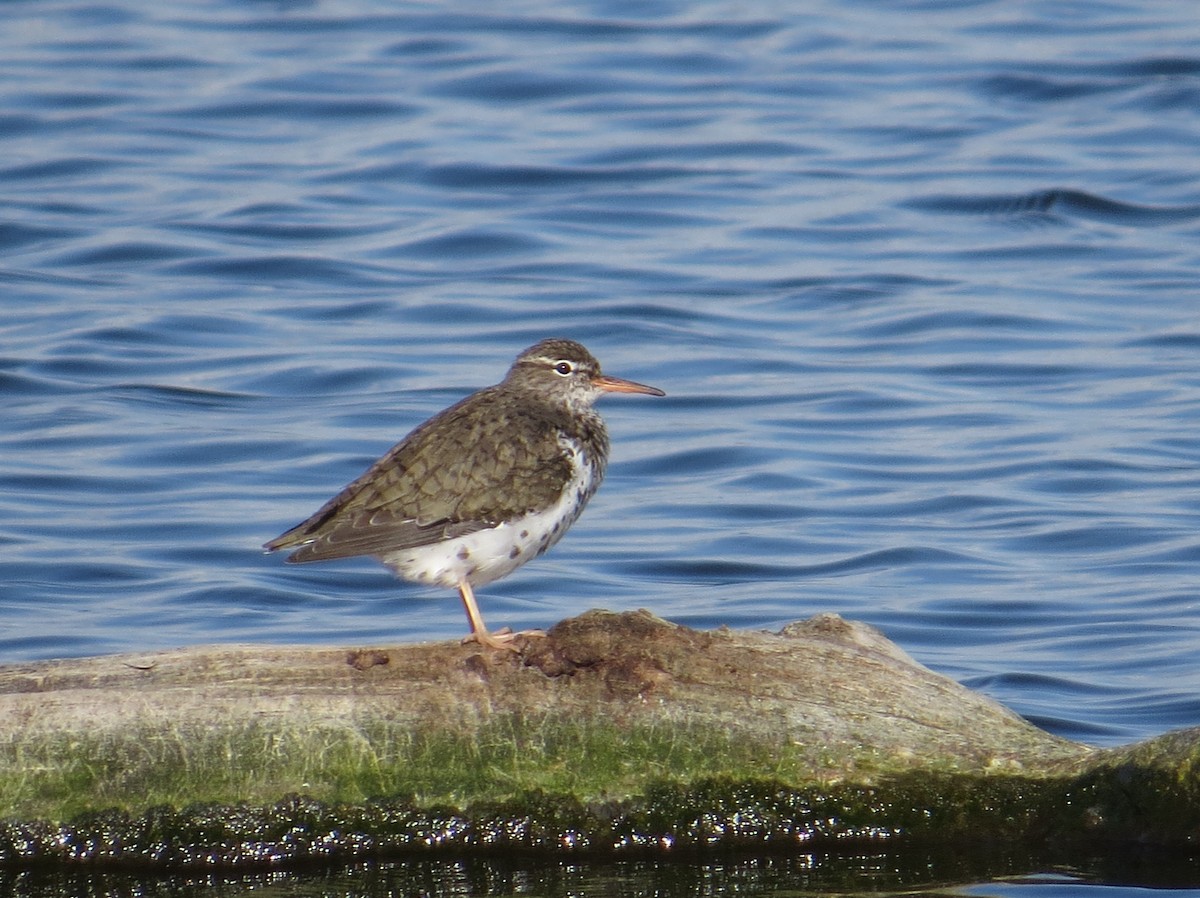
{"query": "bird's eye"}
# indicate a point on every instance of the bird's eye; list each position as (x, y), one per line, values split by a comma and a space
(564, 368)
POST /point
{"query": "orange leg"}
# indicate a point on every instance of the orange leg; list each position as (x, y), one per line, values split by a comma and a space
(479, 632)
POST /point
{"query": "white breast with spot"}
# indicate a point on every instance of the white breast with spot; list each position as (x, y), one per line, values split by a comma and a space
(487, 555)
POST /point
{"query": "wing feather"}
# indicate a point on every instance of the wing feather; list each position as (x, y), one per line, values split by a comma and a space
(473, 466)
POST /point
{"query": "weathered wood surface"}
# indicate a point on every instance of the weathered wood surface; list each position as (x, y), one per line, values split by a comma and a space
(835, 689)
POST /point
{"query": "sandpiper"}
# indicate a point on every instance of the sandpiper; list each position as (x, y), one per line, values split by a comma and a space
(480, 488)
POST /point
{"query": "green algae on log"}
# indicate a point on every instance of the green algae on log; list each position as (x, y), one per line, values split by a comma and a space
(614, 733)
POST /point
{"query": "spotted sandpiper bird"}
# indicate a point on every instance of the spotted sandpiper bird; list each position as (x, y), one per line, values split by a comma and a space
(480, 488)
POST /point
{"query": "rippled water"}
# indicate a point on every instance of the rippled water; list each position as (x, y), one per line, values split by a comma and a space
(920, 280)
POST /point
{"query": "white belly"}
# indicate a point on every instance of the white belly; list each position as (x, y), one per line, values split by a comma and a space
(488, 555)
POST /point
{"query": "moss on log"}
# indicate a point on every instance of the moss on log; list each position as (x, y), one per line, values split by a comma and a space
(614, 733)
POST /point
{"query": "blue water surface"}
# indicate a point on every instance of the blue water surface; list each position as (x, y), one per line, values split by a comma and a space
(921, 279)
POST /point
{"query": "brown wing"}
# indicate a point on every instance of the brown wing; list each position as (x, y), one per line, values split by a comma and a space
(480, 462)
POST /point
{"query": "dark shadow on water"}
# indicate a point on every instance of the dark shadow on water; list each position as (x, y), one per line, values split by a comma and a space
(911, 872)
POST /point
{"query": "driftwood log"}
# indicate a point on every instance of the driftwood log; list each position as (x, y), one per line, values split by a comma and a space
(615, 734)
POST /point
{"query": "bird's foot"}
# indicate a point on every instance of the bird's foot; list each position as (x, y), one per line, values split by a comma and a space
(502, 639)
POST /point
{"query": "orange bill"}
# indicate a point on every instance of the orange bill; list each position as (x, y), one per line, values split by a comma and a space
(620, 385)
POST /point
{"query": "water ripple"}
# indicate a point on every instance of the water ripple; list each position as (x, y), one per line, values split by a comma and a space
(922, 296)
(1060, 203)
